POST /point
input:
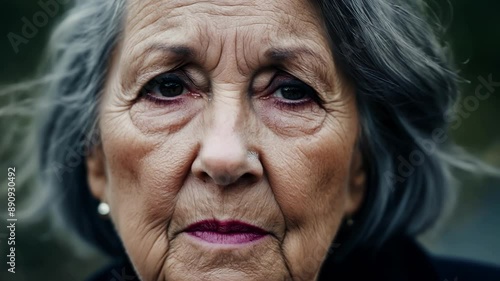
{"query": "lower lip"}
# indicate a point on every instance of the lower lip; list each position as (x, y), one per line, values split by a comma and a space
(227, 238)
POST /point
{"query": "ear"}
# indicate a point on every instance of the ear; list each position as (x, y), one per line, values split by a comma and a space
(357, 183)
(96, 173)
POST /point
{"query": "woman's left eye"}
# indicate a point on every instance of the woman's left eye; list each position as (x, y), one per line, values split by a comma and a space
(292, 93)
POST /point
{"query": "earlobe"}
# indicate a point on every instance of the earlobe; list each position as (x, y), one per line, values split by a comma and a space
(96, 173)
(357, 183)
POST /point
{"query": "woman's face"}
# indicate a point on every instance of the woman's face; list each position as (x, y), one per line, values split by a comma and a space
(228, 141)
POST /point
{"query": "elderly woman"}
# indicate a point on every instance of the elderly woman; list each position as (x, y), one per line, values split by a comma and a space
(252, 140)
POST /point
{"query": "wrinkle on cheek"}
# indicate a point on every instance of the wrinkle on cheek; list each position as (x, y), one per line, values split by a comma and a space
(314, 218)
(141, 219)
(163, 120)
(291, 124)
(117, 157)
(287, 182)
(313, 171)
(160, 202)
(305, 249)
(327, 160)
(150, 250)
(163, 174)
(344, 130)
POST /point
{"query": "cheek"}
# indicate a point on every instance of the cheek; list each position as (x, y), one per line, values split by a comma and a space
(156, 118)
(309, 177)
(310, 183)
(290, 123)
(145, 174)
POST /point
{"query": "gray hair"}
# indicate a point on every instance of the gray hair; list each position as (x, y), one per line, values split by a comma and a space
(405, 87)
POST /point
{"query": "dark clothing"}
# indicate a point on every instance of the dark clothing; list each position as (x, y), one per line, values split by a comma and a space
(398, 260)
(405, 260)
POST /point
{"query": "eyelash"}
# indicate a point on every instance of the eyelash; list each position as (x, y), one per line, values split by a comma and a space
(277, 83)
(153, 83)
(281, 82)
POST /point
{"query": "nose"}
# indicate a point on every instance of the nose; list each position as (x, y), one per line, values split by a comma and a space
(225, 157)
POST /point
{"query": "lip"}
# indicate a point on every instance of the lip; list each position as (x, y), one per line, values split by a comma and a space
(225, 232)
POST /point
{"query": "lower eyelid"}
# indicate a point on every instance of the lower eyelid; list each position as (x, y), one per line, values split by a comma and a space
(162, 101)
(292, 106)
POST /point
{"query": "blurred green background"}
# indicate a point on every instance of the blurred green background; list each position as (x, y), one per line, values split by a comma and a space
(473, 231)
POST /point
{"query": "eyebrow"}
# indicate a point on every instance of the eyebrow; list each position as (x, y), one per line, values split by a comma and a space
(177, 51)
(154, 54)
(282, 56)
(291, 55)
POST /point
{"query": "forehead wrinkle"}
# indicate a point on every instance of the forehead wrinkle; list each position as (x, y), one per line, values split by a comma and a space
(134, 18)
(243, 65)
(222, 8)
(184, 8)
(246, 57)
(247, 14)
(147, 42)
(299, 55)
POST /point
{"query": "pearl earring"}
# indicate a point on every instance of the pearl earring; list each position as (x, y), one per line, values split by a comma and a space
(103, 209)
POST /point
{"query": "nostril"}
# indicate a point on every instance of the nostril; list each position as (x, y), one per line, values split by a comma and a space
(227, 179)
(248, 178)
(204, 177)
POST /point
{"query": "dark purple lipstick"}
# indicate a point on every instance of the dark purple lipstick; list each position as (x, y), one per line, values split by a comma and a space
(225, 232)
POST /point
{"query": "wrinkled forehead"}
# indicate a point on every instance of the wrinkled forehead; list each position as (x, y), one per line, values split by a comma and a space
(204, 25)
(223, 14)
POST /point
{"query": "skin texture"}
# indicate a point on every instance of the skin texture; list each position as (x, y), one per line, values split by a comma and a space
(225, 148)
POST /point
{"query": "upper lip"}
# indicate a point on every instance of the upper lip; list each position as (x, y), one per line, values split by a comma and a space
(229, 226)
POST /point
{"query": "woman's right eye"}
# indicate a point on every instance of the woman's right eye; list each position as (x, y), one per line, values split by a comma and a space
(166, 86)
